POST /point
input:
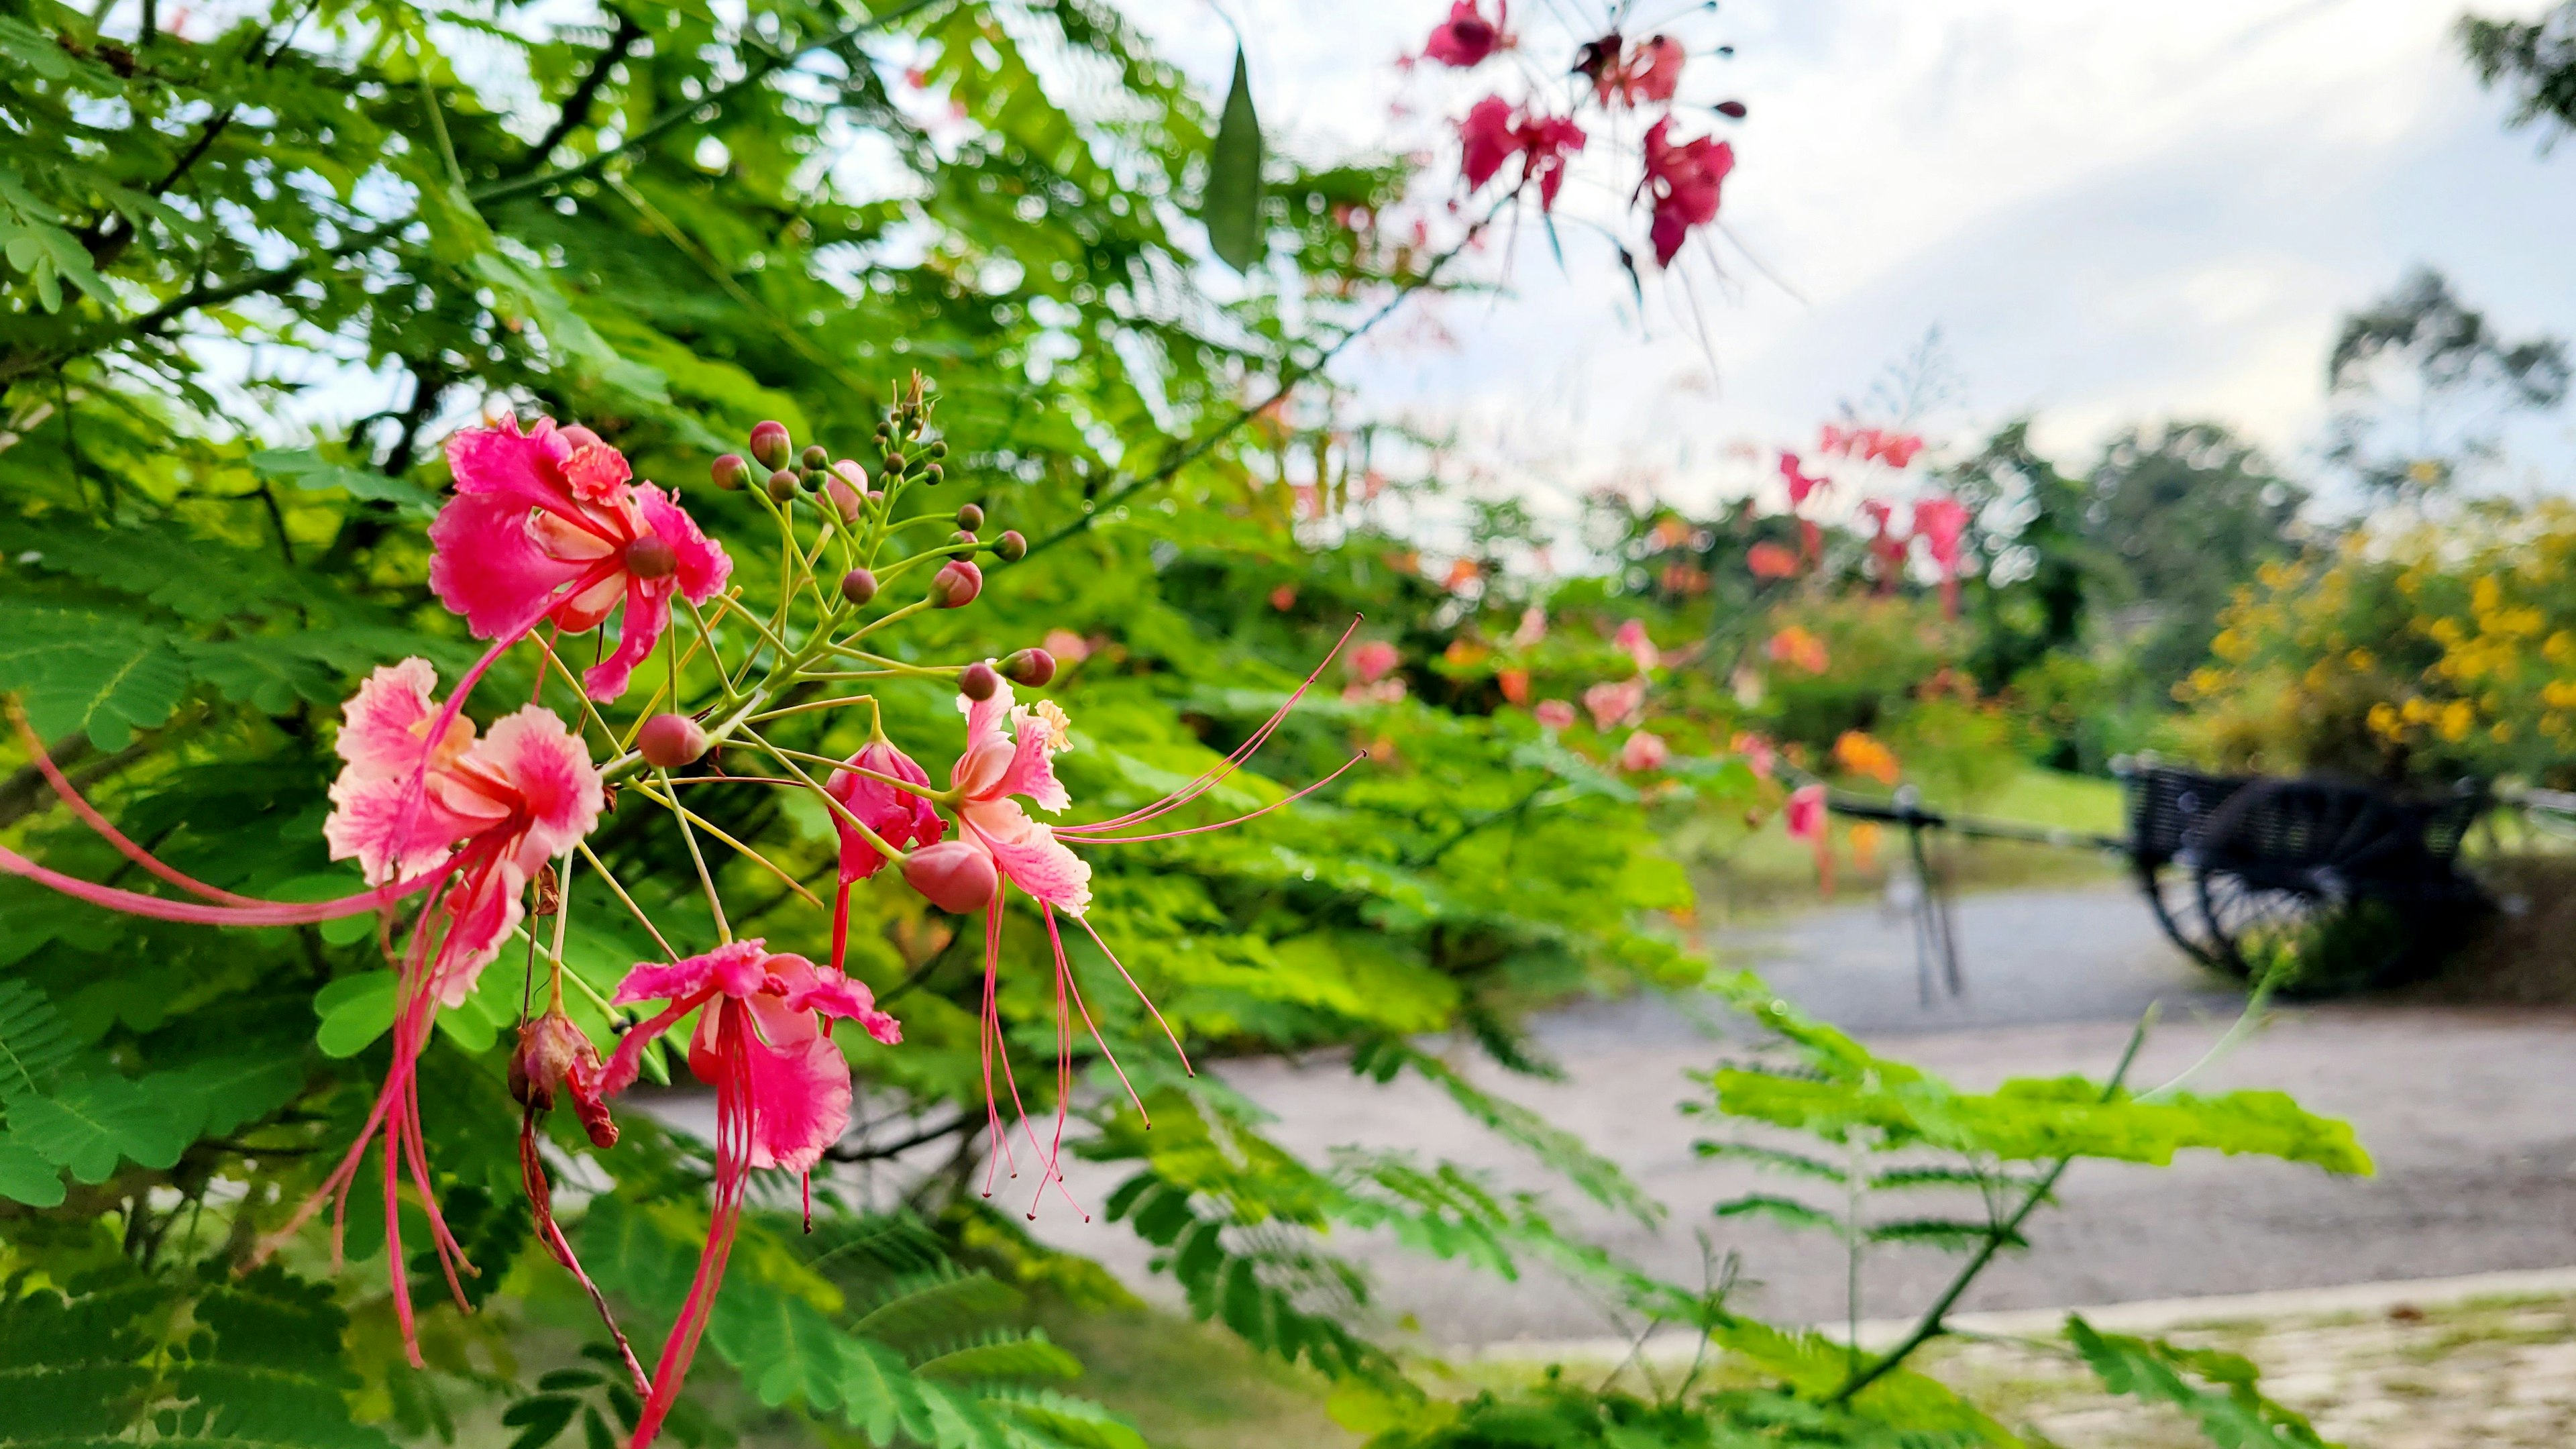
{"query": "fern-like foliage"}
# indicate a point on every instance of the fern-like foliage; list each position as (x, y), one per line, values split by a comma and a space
(2220, 1391)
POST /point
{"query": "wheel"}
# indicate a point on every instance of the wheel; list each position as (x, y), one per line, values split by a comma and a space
(2311, 885)
(2173, 893)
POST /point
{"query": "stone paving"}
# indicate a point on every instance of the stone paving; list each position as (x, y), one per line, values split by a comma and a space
(2478, 1375)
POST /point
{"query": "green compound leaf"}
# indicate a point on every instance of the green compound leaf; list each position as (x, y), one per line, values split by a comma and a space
(92, 1122)
(355, 1010)
(1232, 206)
(108, 675)
(309, 471)
(25, 1176)
(2231, 1410)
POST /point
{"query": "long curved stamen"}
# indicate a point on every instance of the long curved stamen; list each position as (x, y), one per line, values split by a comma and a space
(260, 913)
(734, 1113)
(1216, 774)
(1157, 1011)
(70, 795)
(1047, 914)
(1081, 832)
(988, 1031)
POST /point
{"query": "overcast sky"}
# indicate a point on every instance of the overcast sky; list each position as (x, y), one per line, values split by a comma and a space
(2111, 212)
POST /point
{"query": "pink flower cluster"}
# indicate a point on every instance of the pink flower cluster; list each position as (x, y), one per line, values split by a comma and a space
(1679, 180)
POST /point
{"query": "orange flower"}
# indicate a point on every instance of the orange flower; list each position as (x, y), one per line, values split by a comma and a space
(1770, 561)
(1795, 646)
(1858, 754)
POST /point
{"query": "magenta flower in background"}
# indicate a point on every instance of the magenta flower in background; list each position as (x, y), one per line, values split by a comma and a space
(1805, 819)
(1648, 74)
(1467, 39)
(1611, 703)
(1643, 751)
(1555, 714)
(1631, 638)
(1682, 181)
(1941, 522)
(782, 1095)
(546, 526)
(1372, 660)
(901, 818)
(1493, 134)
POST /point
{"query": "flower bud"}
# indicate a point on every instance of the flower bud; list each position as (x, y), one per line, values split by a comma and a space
(815, 457)
(876, 497)
(956, 584)
(782, 486)
(937, 449)
(894, 462)
(963, 536)
(969, 516)
(954, 875)
(652, 557)
(858, 586)
(1032, 667)
(669, 741)
(769, 444)
(731, 471)
(1013, 546)
(978, 681)
(934, 475)
(846, 501)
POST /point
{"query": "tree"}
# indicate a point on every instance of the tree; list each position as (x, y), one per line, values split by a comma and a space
(2423, 386)
(2189, 511)
(2534, 59)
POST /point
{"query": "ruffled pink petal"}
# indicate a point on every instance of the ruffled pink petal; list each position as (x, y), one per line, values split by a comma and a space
(657, 981)
(901, 818)
(984, 723)
(1032, 767)
(596, 472)
(383, 726)
(391, 826)
(1041, 865)
(800, 1101)
(648, 614)
(835, 995)
(488, 567)
(704, 567)
(550, 768)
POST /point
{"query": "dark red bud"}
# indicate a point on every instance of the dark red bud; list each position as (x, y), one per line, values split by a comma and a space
(978, 681)
(953, 875)
(731, 471)
(782, 486)
(816, 456)
(650, 557)
(1732, 110)
(956, 584)
(769, 444)
(669, 741)
(1032, 667)
(970, 516)
(858, 586)
(1013, 546)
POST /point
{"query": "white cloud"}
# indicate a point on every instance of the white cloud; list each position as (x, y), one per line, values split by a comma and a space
(2113, 213)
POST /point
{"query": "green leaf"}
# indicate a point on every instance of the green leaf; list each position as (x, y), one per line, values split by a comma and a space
(34, 1042)
(223, 1093)
(25, 1176)
(1795, 1163)
(91, 1122)
(34, 244)
(1784, 1210)
(108, 675)
(2234, 1414)
(1953, 1233)
(355, 1010)
(1232, 205)
(1031, 1357)
(310, 472)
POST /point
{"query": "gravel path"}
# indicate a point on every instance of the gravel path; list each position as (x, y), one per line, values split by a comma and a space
(2464, 1110)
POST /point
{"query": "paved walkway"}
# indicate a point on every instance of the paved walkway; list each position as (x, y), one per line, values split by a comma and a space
(2466, 1111)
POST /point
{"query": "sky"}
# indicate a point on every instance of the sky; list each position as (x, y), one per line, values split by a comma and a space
(2111, 214)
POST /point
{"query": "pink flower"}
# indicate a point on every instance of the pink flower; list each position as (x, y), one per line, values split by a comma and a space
(1070, 648)
(1492, 135)
(1896, 450)
(1643, 751)
(1555, 714)
(1466, 38)
(999, 769)
(1631, 637)
(1514, 683)
(1793, 473)
(1940, 522)
(763, 1042)
(1683, 179)
(1835, 441)
(1757, 753)
(1533, 628)
(545, 525)
(1649, 72)
(1372, 660)
(1805, 819)
(1612, 703)
(1884, 545)
(415, 785)
(900, 817)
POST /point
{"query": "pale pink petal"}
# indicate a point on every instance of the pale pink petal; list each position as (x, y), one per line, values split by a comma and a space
(389, 825)
(1032, 768)
(383, 724)
(549, 766)
(1041, 865)
(485, 909)
(800, 1102)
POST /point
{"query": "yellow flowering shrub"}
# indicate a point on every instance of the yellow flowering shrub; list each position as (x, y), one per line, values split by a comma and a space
(2432, 648)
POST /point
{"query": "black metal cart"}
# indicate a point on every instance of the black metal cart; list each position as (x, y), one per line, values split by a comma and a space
(2247, 873)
